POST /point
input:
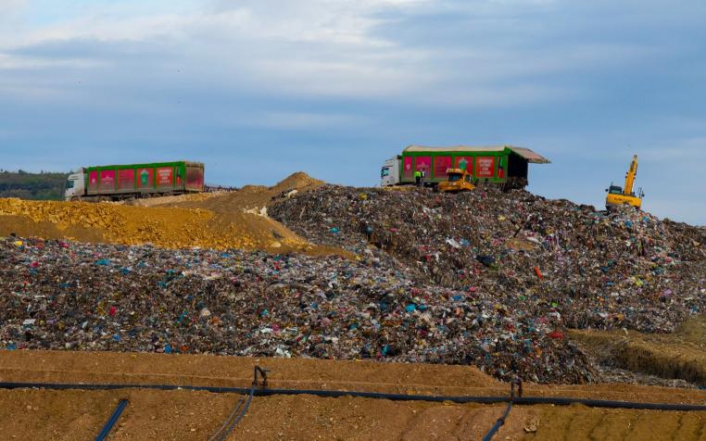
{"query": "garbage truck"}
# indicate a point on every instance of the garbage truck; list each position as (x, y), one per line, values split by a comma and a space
(130, 181)
(504, 165)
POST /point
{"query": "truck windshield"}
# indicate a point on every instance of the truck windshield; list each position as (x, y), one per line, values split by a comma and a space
(70, 184)
(384, 172)
(454, 177)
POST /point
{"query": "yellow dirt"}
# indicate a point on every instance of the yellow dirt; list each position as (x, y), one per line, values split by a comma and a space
(169, 200)
(216, 220)
(187, 415)
(251, 198)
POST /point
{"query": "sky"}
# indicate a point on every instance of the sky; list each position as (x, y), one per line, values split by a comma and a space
(259, 89)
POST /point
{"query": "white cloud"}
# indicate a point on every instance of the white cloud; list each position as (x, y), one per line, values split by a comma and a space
(335, 48)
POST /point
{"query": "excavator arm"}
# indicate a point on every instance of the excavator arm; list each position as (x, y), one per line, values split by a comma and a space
(630, 177)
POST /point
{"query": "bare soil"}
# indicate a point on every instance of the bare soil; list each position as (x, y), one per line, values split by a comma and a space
(188, 415)
(219, 220)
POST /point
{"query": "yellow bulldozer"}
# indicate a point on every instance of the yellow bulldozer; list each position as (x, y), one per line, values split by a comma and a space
(457, 180)
(618, 197)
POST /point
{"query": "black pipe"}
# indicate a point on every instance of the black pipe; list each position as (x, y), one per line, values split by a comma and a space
(232, 419)
(219, 433)
(501, 421)
(498, 424)
(240, 417)
(394, 397)
(111, 421)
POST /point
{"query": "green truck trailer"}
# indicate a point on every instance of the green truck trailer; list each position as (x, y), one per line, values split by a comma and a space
(504, 165)
(117, 182)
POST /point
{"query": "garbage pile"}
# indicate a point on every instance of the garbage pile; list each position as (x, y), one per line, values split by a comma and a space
(63, 295)
(485, 278)
(582, 267)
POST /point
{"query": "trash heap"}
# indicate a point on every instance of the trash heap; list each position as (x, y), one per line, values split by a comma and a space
(550, 258)
(486, 278)
(63, 295)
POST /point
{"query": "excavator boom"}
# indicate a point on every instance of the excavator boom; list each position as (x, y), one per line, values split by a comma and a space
(630, 177)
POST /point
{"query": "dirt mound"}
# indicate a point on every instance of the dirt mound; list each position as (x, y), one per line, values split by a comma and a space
(170, 200)
(253, 198)
(166, 227)
(298, 181)
(225, 219)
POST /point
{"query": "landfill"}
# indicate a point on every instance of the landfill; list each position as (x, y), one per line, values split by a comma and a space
(487, 278)
(62, 295)
(570, 265)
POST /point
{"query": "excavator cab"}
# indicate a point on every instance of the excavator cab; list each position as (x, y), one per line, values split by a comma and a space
(614, 189)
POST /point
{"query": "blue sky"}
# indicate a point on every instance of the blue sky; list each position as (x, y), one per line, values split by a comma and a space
(260, 89)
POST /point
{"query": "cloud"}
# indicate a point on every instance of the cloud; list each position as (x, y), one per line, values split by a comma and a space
(333, 48)
(310, 50)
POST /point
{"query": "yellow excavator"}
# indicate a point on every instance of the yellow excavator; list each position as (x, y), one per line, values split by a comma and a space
(618, 197)
(457, 180)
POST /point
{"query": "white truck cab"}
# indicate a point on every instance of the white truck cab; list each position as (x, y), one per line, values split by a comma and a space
(390, 172)
(75, 186)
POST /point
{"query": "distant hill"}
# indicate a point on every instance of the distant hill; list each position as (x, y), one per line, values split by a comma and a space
(37, 186)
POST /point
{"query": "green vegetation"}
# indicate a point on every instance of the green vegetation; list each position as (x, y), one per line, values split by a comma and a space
(42, 186)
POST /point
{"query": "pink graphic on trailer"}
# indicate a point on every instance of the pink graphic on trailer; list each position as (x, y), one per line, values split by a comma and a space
(126, 179)
(107, 180)
(408, 170)
(93, 180)
(441, 164)
(423, 164)
(164, 176)
(485, 167)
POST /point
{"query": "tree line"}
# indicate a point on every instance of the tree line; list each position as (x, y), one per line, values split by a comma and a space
(43, 186)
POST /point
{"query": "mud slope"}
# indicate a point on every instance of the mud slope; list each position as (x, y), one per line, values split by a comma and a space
(187, 415)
